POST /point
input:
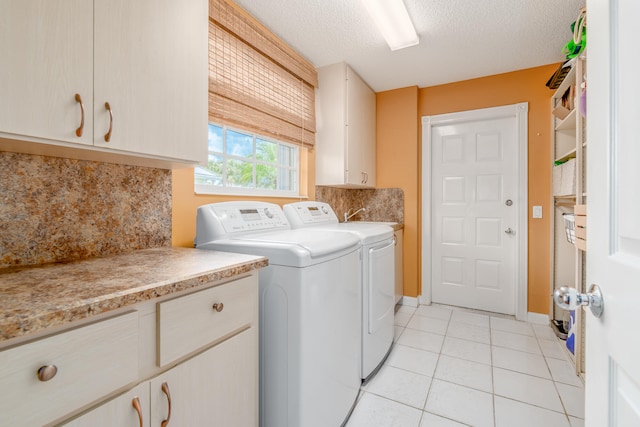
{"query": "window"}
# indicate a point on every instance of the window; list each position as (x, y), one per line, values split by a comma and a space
(245, 163)
(261, 109)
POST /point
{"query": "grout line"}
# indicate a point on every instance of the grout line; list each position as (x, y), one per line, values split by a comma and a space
(493, 390)
(491, 345)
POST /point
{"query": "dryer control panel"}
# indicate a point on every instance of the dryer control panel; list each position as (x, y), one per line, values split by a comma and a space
(302, 214)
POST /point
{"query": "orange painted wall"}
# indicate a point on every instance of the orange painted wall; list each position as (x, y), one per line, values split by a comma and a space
(185, 201)
(503, 89)
(397, 166)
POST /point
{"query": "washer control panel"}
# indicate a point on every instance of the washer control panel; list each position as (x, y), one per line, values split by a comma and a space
(310, 213)
(236, 219)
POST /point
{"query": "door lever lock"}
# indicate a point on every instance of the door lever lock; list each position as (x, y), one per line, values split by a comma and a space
(569, 299)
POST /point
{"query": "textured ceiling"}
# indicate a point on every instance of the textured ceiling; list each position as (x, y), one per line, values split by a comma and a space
(459, 39)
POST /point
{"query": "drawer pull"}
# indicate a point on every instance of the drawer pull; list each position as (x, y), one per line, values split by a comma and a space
(136, 404)
(47, 372)
(165, 390)
(218, 307)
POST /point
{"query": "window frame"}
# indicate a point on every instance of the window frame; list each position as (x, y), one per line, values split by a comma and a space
(212, 189)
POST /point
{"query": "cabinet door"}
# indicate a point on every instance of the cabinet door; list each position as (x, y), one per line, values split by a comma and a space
(361, 132)
(216, 388)
(46, 49)
(151, 67)
(119, 411)
(47, 379)
(331, 101)
(398, 270)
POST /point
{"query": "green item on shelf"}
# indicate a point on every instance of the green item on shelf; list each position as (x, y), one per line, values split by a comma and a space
(575, 47)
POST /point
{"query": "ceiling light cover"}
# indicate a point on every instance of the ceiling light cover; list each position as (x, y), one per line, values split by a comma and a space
(393, 21)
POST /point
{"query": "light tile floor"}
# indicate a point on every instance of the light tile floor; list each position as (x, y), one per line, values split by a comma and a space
(455, 367)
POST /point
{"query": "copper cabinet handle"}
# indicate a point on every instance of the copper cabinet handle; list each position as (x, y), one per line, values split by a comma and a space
(107, 136)
(136, 404)
(47, 372)
(218, 306)
(81, 127)
(165, 390)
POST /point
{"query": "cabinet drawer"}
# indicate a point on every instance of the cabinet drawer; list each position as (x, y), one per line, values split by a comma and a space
(188, 323)
(91, 362)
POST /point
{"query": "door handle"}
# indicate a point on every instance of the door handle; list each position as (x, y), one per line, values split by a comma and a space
(165, 390)
(509, 231)
(81, 127)
(107, 136)
(138, 407)
(568, 298)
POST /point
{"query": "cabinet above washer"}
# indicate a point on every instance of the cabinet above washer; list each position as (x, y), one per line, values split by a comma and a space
(346, 129)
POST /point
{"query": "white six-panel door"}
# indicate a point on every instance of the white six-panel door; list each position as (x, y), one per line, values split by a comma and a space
(474, 205)
(613, 213)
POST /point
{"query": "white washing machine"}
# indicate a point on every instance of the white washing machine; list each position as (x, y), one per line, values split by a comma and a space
(309, 329)
(378, 275)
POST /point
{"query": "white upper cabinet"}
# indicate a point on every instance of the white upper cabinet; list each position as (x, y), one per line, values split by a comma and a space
(346, 129)
(47, 58)
(151, 67)
(146, 60)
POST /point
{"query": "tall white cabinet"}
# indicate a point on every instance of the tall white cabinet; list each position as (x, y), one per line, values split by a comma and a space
(346, 129)
(127, 77)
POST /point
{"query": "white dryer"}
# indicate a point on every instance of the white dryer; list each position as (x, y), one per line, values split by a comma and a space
(378, 275)
(309, 330)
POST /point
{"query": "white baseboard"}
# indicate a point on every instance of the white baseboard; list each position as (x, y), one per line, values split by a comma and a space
(537, 318)
(409, 301)
(424, 300)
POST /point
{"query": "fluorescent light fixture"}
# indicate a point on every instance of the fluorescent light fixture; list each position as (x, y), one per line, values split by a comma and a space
(393, 21)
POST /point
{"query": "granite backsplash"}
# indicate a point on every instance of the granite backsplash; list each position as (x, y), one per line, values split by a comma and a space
(382, 204)
(54, 209)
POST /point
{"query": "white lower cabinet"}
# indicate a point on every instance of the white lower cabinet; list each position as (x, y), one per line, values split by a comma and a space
(216, 388)
(121, 411)
(70, 378)
(219, 387)
(46, 379)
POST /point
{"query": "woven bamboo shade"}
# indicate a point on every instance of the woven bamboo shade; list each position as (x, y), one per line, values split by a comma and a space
(256, 82)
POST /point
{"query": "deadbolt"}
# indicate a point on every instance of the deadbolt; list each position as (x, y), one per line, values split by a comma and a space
(509, 202)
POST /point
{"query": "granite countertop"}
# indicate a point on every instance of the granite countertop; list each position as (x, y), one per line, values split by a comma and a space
(35, 298)
(395, 225)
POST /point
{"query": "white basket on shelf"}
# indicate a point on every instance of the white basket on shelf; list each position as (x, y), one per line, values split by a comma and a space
(570, 227)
